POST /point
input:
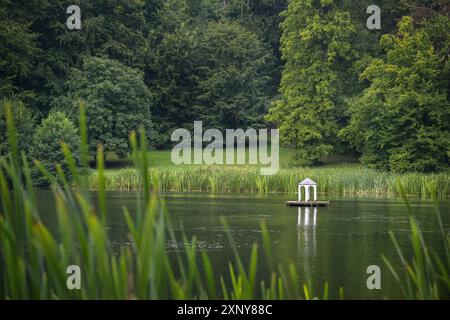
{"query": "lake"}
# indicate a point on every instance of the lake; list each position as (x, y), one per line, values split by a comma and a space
(334, 244)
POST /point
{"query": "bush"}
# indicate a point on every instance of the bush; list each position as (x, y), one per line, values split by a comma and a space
(24, 122)
(47, 139)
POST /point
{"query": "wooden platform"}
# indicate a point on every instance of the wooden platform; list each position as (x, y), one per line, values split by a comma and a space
(308, 203)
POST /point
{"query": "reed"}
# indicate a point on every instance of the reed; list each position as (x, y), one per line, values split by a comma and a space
(336, 181)
(33, 262)
(424, 275)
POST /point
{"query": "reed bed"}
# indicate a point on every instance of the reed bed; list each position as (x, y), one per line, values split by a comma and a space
(335, 181)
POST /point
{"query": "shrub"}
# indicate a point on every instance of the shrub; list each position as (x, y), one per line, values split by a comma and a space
(47, 139)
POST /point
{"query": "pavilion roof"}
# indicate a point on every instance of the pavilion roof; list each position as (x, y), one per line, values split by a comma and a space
(308, 182)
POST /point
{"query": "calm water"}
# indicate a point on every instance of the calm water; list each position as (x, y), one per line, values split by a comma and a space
(334, 244)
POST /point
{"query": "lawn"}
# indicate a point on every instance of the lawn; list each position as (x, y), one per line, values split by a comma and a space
(162, 158)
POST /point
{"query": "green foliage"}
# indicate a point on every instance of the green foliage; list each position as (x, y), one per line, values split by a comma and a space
(259, 16)
(315, 45)
(38, 51)
(17, 47)
(402, 121)
(117, 102)
(117, 30)
(54, 130)
(218, 73)
(24, 122)
(236, 66)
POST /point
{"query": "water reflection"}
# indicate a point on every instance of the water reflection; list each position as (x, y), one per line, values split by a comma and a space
(307, 216)
(306, 237)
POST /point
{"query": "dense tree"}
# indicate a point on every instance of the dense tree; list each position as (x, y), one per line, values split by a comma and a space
(263, 17)
(146, 35)
(218, 73)
(236, 66)
(46, 144)
(259, 16)
(18, 45)
(117, 102)
(402, 121)
(316, 46)
(123, 30)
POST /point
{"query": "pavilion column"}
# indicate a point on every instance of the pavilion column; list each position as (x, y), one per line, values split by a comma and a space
(309, 187)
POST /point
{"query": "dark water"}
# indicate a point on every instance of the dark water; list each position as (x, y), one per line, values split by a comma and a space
(334, 244)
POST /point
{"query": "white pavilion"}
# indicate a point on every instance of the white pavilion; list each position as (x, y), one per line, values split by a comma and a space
(307, 184)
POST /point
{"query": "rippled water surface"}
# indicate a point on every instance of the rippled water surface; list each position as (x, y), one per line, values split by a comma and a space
(334, 244)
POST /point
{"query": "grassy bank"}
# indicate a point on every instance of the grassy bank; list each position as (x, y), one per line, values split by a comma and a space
(343, 180)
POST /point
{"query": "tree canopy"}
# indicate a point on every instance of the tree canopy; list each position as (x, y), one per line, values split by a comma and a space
(219, 73)
(316, 46)
(401, 122)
